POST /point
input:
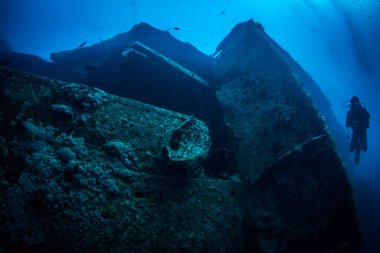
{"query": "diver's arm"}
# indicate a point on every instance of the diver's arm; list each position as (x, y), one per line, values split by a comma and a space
(367, 114)
(367, 117)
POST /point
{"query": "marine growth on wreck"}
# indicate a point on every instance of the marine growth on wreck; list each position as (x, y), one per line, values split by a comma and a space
(141, 143)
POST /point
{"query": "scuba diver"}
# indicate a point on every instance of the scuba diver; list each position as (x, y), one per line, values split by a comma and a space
(358, 120)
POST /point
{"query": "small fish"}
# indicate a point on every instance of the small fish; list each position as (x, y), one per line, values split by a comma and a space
(222, 13)
(176, 28)
(82, 44)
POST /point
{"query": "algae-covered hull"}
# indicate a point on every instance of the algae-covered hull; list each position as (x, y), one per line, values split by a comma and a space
(84, 170)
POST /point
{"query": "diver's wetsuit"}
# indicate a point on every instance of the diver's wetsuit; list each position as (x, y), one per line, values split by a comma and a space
(358, 119)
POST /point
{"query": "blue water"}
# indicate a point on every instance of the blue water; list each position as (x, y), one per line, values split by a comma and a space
(335, 41)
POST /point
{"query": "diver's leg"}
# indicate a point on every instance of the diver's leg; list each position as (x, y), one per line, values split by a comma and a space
(357, 155)
(363, 140)
(354, 141)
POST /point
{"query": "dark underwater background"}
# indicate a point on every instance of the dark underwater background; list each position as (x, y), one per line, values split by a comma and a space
(335, 41)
